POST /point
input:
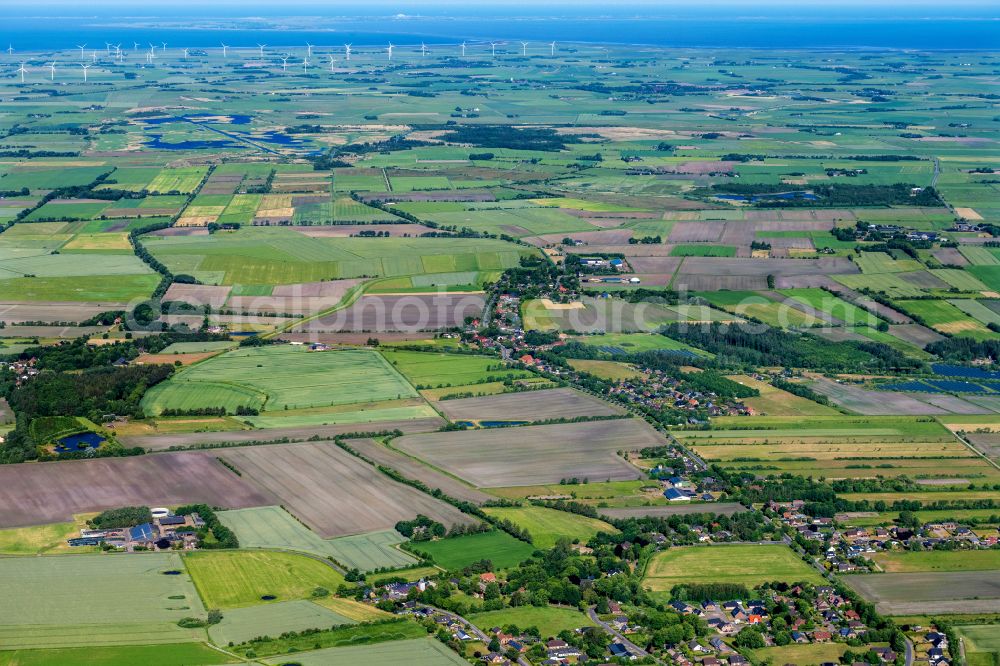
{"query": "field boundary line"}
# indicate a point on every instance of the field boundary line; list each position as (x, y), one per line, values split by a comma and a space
(972, 448)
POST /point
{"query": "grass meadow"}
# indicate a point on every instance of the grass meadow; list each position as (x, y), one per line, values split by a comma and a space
(748, 565)
(235, 579)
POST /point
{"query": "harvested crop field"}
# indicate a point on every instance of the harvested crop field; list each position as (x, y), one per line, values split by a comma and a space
(410, 312)
(36, 493)
(532, 455)
(15, 312)
(416, 470)
(864, 401)
(541, 405)
(305, 298)
(722, 266)
(946, 592)
(165, 441)
(198, 294)
(333, 492)
(723, 509)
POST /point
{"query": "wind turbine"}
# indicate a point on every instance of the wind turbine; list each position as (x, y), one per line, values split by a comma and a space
(347, 50)
(463, 49)
(10, 49)
(52, 71)
(225, 50)
(107, 47)
(81, 47)
(85, 68)
(390, 51)
(22, 71)
(284, 63)
(309, 50)
(524, 48)
(93, 56)
(185, 54)
(152, 51)
(331, 62)
(493, 45)
(135, 46)
(423, 49)
(552, 48)
(305, 65)
(261, 47)
(164, 49)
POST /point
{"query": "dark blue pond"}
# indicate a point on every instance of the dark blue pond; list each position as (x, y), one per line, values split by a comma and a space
(501, 424)
(79, 442)
(156, 141)
(234, 119)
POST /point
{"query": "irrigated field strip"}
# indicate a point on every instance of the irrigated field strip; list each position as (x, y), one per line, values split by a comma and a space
(333, 492)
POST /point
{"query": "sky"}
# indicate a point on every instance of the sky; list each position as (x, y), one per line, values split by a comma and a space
(513, 5)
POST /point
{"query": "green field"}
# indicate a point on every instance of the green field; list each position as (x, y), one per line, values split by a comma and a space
(36, 540)
(243, 624)
(273, 527)
(262, 255)
(175, 654)
(982, 643)
(745, 565)
(280, 377)
(548, 620)
(433, 369)
(51, 601)
(497, 546)
(238, 579)
(343, 636)
(814, 653)
(546, 526)
(938, 560)
(375, 550)
(415, 652)
(703, 250)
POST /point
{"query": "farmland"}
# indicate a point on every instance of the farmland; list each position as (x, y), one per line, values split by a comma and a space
(331, 491)
(629, 297)
(274, 528)
(238, 579)
(547, 526)
(498, 547)
(538, 454)
(242, 624)
(418, 652)
(745, 565)
(280, 378)
(53, 492)
(946, 592)
(50, 601)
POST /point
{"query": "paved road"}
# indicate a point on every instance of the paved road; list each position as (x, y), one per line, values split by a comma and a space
(635, 649)
(937, 172)
(909, 652)
(476, 631)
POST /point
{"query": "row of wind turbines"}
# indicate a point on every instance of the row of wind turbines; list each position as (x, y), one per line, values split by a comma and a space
(116, 53)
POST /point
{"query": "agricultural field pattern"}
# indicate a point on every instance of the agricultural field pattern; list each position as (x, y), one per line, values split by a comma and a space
(335, 338)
